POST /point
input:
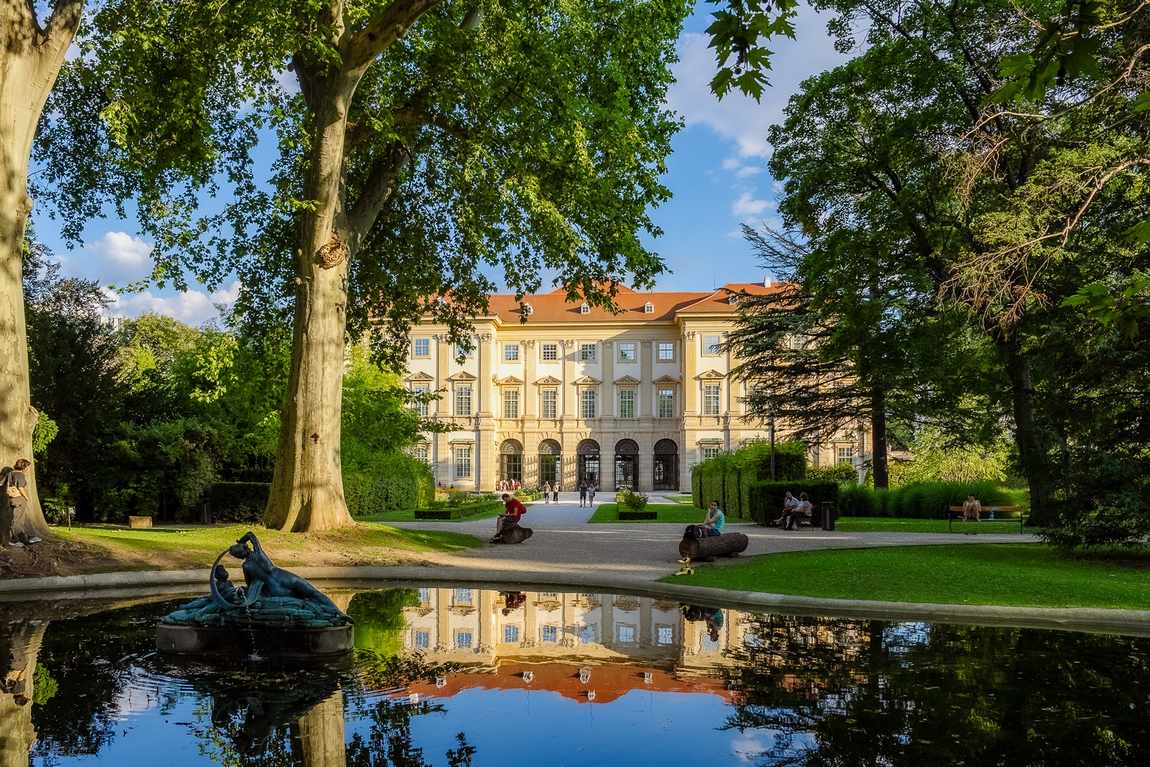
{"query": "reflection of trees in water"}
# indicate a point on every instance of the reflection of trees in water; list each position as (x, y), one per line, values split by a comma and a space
(841, 692)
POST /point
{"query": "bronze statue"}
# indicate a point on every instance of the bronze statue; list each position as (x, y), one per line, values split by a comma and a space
(264, 579)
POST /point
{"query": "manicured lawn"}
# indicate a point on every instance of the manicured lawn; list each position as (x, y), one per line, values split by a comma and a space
(668, 512)
(1031, 575)
(408, 515)
(112, 548)
(685, 498)
(897, 525)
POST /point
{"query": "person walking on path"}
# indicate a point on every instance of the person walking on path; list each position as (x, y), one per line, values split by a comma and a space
(555, 491)
(547, 492)
(591, 490)
(513, 511)
(582, 494)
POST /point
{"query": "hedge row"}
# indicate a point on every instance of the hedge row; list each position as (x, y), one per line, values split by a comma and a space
(728, 477)
(925, 500)
(766, 498)
(460, 511)
(390, 482)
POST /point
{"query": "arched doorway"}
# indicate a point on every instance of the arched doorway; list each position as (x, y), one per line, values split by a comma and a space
(666, 465)
(550, 462)
(588, 467)
(626, 464)
(511, 461)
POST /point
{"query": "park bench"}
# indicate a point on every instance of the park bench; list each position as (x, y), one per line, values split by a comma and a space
(814, 519)
(990, 512)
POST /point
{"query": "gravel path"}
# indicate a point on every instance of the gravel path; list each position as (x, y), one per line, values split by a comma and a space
(564, 543)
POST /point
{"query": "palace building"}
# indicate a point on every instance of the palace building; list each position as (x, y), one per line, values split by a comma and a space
(560, 391)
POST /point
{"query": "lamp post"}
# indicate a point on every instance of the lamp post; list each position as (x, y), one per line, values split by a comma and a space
(771, 429)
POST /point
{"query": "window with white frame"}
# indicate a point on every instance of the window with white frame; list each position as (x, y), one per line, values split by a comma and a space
(710, 451)
(549, 403)
(712, 399)
(712, 345)
(549, 352)
(425, 596)
(666, 401)
(588, 634)
(463, 639)
(628, 351)
(421, 347)
(625, 633)
(588, 403)
(510, 634)
(588, 352)
(665, 351)
(648, 308)
(627, 400)
(550, 634)
(585, 309)
(421, 453)
(422, 640)
(664, 635)
(846, 454)
(510, 403)
(461, 597)
(462, 461)
(510, 352)
(463, 399)
(420, 404)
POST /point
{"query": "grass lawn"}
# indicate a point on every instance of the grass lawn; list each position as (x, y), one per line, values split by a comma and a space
(408, 515)
(898, 525)
(1029, 575)
(668, 512)
(685, 498)
(114, 548)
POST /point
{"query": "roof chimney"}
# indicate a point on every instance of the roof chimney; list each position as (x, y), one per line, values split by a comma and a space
(767, 281)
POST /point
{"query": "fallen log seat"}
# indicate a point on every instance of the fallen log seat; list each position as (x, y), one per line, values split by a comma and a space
(516, 534)
(725, 545)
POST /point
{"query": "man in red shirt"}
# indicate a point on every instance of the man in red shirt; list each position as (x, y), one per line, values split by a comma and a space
(513, 510)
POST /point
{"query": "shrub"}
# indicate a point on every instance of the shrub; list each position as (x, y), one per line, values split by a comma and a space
(842, 473)
(388, 482)
(630, 500)
(766, 498)
(727, 478)
(238, 501)
(925, 500)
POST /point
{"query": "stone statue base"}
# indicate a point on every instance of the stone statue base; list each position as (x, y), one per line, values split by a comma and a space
(265, 643)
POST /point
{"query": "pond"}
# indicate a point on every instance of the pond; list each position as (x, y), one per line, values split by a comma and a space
(465, 676)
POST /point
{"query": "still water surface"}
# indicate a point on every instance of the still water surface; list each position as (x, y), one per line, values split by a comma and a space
(463, 676)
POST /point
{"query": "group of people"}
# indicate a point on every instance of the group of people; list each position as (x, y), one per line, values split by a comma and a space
(550, 492)
(795, 509)
(13, 508)
(508, 485)
(971, 508)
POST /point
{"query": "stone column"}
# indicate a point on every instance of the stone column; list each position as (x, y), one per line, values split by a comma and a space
(567, 393)
(484, 384)
(645, 607)
(607, 619)
(646, 403)
(690, 370)
(607, 390)
(441, 458)
(530, 622)
(443, 638)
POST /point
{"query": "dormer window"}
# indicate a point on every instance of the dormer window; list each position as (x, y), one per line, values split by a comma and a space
(648, 308)
(585, 309)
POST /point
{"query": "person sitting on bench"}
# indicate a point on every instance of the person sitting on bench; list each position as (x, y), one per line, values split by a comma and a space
(800, 508)
(513, 511)
(971, 508)
(716, 520)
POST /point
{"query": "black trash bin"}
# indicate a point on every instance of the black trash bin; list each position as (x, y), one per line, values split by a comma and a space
(829, 516)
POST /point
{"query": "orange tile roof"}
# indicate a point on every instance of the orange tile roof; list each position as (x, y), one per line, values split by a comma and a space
(554, 306)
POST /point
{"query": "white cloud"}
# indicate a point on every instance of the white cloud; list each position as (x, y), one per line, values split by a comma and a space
(748, 205)
(117, 257)
(194, 307)
(738, 118)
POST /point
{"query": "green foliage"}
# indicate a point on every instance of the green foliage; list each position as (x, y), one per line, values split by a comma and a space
(727, 478)
(936, 459)
(923, 500)
(237, 501)
(766, 498)
(44, 687)
(629, 500)
(842, 473)
(43, 433)
(388, 482)
(379, 619)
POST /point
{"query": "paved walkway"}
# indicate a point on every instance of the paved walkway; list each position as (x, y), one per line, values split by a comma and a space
(565, 543)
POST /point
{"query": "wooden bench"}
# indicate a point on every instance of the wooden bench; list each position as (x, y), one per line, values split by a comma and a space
(990, 512)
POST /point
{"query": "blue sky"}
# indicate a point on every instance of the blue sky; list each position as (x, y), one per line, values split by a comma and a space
(717, 175)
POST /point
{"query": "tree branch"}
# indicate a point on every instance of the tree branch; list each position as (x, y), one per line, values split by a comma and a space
(377, 190)
(383, 30)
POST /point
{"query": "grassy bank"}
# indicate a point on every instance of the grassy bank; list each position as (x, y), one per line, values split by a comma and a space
(668, 512)
(98, 549)
(1028, 575)
(897, 525)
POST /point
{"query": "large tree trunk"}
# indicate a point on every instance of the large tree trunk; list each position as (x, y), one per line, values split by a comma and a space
(30, 61)
(1027, 434)
(18, 657)
(321, 737)
(879, 464)
(307, 487)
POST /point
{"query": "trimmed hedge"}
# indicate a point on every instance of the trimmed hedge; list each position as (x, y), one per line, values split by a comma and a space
(767, 497)
(728, 477)
(460, 511)
(390, 482)
(924, 500)
(238, 501)
(632, 516)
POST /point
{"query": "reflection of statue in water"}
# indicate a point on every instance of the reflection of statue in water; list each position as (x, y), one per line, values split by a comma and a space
(270, 596)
